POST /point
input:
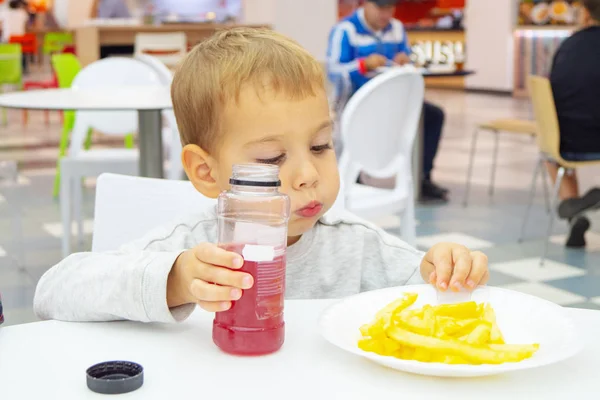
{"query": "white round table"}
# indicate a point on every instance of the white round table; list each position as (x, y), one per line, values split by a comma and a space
(48, 360)
(149, 102)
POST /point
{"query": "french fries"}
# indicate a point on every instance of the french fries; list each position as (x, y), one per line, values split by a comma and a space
(463, 333)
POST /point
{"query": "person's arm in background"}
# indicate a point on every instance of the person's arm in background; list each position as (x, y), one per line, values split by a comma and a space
(342, 62)
(403, 50)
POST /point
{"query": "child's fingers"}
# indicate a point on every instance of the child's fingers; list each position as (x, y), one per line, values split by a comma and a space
(479, 274)
(212, 254)
(462, 268)
(215, 306)
(442, 261)
(204, 291)
(433, 278)
(223, 276)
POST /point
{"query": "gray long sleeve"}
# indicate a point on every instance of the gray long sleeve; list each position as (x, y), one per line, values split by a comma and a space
(342, 255)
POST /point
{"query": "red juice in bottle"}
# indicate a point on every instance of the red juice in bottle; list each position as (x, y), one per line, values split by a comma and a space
(252, 221)
(254, 324)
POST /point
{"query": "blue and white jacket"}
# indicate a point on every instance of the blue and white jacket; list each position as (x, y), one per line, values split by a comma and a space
(352, 40)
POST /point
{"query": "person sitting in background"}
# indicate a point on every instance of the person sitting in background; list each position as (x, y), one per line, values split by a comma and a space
(575, 79)
(14, 21)
(371, 38)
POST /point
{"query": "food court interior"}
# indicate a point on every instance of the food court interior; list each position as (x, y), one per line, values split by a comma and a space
(483, 53)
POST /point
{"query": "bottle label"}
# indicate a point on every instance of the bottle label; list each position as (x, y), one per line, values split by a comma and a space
(258, 253)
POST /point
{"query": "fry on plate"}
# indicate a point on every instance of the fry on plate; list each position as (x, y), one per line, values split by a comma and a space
(463, 333)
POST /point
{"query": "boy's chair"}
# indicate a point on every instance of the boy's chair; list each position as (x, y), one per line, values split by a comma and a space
(548, 139)
(128, 207)
(79, 163)
(378, 128)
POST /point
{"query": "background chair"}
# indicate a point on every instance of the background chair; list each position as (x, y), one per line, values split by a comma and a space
(549, 143)
(58, 42)
(11, 69)
(128, 207)
(378, 128)
(167, 47)
(78, 163)
(66, 67)
(496, 127)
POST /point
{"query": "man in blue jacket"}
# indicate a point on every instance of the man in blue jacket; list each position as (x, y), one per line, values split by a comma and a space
(366, 40)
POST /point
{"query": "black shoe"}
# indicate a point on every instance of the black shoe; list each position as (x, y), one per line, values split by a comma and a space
(429, 182)
(576, 238)
(569, 208)
(432, 192)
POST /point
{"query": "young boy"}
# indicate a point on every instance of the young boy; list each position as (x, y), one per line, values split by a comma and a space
(242, 96)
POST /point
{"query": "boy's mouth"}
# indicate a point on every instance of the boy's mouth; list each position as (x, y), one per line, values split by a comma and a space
(310, 210)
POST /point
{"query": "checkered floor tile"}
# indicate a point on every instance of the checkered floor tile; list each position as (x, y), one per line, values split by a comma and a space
(529, 269)
(547, 292)
(55, 229)
(592, 240)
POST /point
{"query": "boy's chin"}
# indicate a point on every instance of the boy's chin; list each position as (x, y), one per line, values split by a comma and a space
(298, 228)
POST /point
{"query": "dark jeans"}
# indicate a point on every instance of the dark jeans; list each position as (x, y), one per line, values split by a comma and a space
(433, 117)
(571, 156)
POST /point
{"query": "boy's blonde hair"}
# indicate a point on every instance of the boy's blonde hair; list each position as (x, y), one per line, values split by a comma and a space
(216, 70)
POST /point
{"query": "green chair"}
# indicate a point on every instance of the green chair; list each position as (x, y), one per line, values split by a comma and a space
(11, 69)
(55, 42)
(66, 67)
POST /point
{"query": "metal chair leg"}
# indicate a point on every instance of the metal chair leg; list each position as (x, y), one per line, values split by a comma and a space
(470, 169)
(545, 178)
(559, 177)
(531, 197)
(494, 162)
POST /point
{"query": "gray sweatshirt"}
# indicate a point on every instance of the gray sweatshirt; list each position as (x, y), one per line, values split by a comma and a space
(342, 255)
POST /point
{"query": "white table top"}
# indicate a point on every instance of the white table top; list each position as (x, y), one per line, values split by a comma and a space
(101, 99)
(47, 360)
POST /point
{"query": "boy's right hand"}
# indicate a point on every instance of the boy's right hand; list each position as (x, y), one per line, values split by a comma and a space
(375, 61)
(206, 275)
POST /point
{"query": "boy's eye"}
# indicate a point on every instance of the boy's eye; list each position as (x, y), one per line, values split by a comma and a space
(321, 148)
(274, 160)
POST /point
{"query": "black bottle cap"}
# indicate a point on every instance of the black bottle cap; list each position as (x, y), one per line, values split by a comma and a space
(115, 377)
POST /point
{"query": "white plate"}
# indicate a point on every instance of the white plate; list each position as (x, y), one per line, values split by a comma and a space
(523, 319)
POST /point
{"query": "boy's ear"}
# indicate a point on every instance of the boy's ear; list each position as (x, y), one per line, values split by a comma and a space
(198, 165)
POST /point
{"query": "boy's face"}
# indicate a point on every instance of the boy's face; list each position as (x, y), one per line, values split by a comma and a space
(295, 135)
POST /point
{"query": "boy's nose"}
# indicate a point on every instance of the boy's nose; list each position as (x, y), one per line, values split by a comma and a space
(306, 176)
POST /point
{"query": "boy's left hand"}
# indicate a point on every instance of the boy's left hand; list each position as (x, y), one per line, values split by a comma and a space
(450, 265)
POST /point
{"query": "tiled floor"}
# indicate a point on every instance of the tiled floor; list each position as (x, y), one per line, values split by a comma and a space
(569, 277)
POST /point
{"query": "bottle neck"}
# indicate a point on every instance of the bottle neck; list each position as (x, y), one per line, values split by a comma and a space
(254, 190)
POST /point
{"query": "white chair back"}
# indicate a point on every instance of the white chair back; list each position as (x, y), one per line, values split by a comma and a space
(106, 73)
(167, 47)
(128, 207)
(380, 122)
(174, 142)
(378, 128)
